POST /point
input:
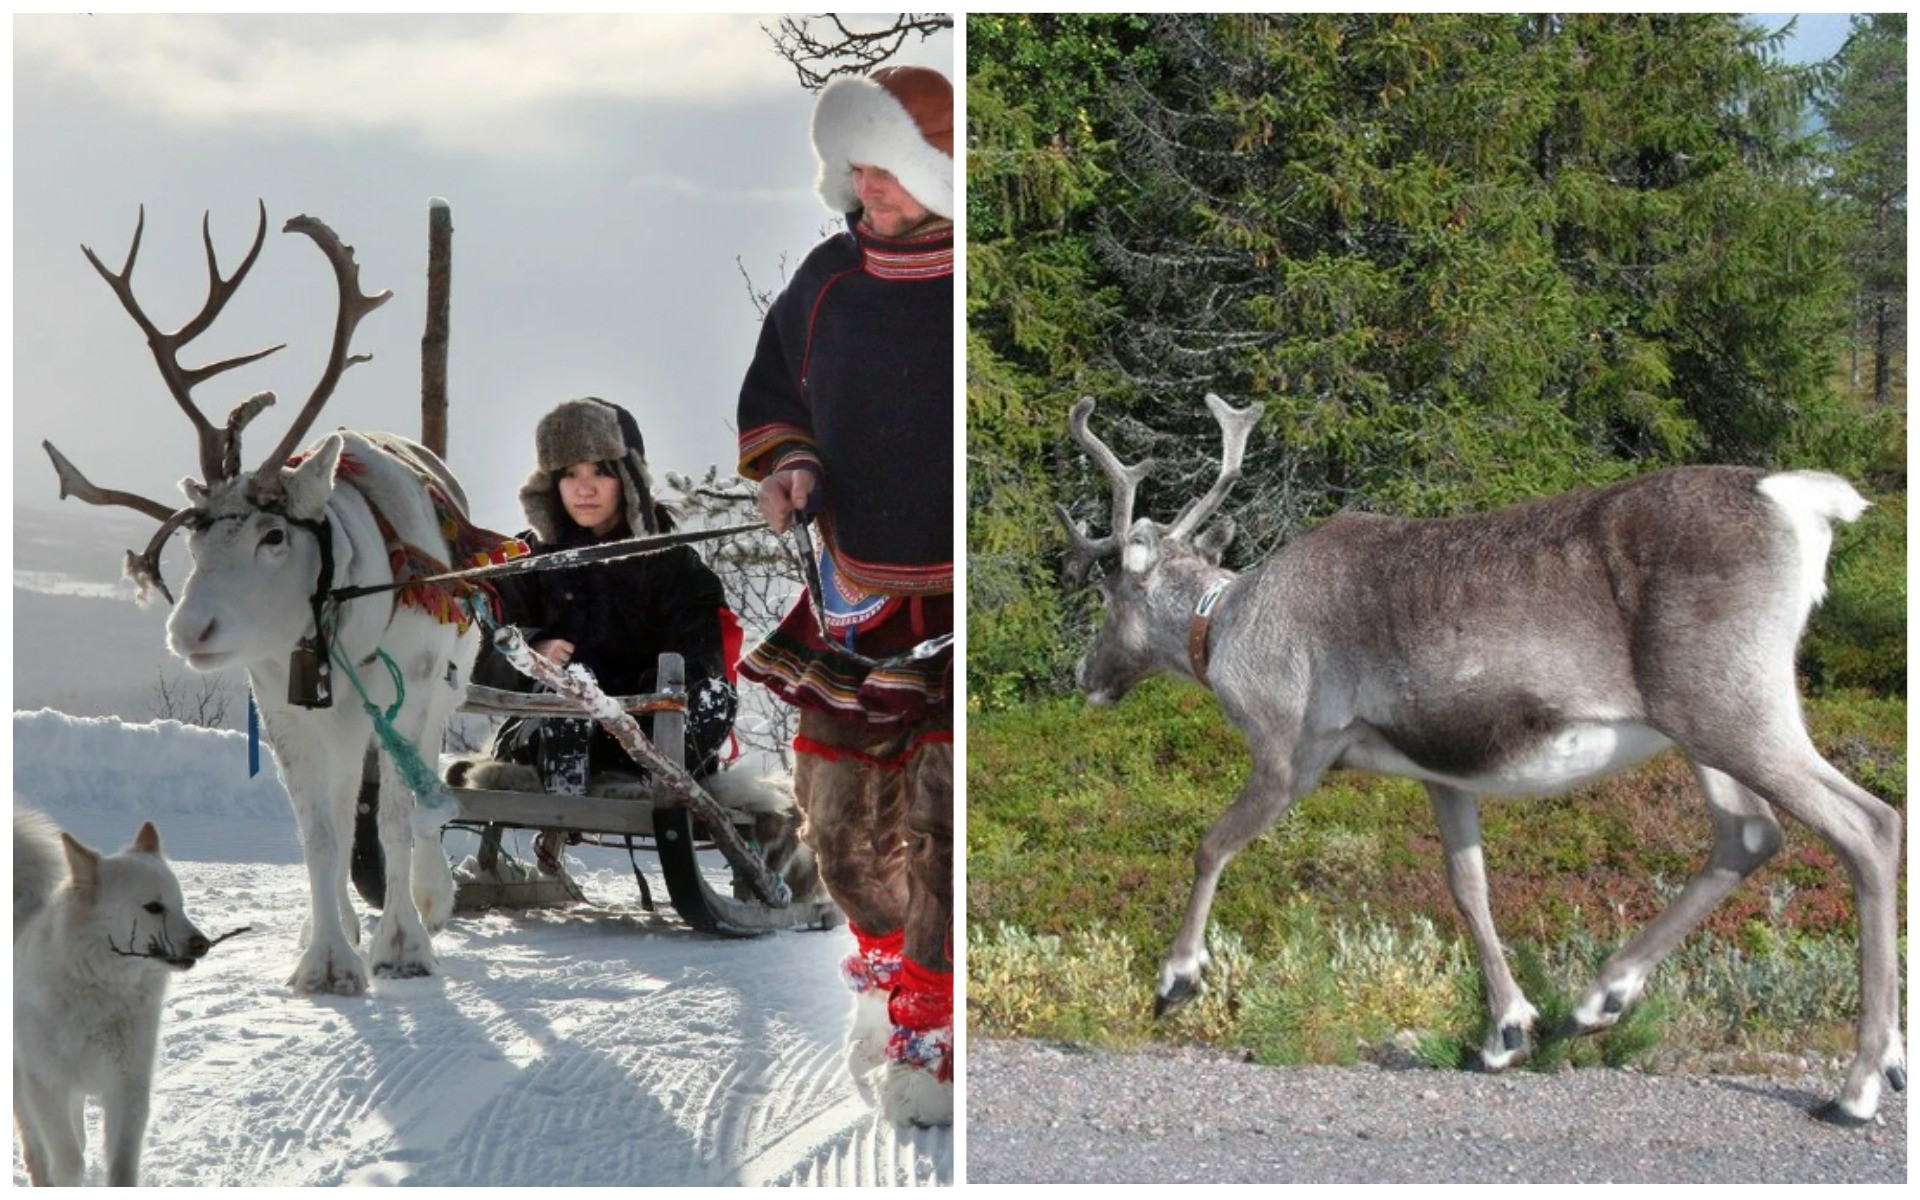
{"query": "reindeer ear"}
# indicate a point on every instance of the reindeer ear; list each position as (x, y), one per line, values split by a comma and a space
(147, 841)
(1214, 539)
(196, 493)
(309, 485)
(83, 864)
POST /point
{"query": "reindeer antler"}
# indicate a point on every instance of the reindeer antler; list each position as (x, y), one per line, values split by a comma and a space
(1124, 481)
(219, 444)
(354, 304)
(144, 568)
(1236, 424)
(73, 483)
(166, 347)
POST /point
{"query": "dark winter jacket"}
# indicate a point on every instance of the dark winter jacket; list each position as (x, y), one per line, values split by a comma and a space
(620, 616)
(854, 375)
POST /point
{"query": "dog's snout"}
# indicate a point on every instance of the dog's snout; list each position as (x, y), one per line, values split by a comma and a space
(198, 945)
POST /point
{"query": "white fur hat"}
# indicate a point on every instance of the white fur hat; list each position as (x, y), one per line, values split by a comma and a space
(899, 119)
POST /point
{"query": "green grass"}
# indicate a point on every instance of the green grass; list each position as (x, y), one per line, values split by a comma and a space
(1342, 992)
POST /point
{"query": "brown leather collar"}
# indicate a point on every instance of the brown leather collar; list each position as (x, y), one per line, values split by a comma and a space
(1202, 624)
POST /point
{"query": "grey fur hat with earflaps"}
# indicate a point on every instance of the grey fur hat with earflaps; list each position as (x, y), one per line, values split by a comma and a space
(588, 430)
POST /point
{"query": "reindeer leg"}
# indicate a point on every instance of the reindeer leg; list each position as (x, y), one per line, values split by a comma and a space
(432, 883)
(1745, 835)
(1510, 1017)
(432, 874)
(1267, 795)
(1875, 888)
(1866, 835)
(402, 948)
(324, 806)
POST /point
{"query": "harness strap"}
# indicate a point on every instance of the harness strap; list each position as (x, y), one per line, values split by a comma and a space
(322, 530)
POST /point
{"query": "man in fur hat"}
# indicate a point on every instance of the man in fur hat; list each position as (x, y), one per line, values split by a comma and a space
(846, 417)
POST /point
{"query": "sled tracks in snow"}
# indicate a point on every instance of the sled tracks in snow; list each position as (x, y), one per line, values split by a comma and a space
(551, 1049)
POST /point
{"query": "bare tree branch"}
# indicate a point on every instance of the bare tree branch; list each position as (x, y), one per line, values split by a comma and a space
(761, 298)
(761, 578)
(821, 46)
(200, 701)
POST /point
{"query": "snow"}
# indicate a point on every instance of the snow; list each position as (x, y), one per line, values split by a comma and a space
(600, 1045)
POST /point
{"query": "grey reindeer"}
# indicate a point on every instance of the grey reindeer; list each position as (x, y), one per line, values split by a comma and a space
(1519, 652)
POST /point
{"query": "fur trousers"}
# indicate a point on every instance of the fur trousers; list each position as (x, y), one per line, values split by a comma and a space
(878, 811)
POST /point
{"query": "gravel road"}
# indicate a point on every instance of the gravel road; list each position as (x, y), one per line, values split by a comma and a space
(1044, 1113)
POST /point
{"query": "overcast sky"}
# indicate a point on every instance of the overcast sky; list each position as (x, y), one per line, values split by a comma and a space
(605, 173)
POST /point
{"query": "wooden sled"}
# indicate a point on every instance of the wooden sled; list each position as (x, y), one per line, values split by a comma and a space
(662, 823)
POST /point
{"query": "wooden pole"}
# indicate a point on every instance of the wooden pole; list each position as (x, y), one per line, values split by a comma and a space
(433, 343)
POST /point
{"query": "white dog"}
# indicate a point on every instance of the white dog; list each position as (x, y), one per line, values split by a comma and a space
(94, 940)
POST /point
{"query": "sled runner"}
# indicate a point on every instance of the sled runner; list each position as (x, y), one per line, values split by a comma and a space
(666, 821)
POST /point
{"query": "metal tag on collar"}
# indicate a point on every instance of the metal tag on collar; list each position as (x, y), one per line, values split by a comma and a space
(1210, 597)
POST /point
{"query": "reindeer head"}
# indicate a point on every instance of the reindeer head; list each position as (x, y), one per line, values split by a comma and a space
(1157, 573)
(255, 545)
(254, 534)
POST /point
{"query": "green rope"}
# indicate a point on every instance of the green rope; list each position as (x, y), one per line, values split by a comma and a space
(432, 805)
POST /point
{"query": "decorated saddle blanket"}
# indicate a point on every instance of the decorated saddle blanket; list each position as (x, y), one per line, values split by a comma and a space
(469, 545)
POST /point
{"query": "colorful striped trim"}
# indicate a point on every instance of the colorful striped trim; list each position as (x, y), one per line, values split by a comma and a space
(903, 579)
(800, 456)
(757, 442)
(808, 682)
(909, 265)
(927, 254)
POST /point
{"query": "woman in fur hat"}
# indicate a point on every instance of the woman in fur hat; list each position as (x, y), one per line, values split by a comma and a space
(591, 485)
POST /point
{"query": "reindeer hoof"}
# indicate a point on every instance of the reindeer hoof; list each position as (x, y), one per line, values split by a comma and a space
(1513, 1049)
(1897, 1078)
(403, 970)
(1832, 1114)
(328, 983)
(338, 974)
(1173, 994)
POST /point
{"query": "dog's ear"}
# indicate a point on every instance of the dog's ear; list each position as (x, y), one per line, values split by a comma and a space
(84, 864)
(147, 841)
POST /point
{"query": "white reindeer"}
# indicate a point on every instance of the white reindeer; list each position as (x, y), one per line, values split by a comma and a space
(266, 545)
(1519, 652)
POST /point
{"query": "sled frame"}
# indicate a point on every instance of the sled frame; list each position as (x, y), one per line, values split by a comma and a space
(662, 824)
